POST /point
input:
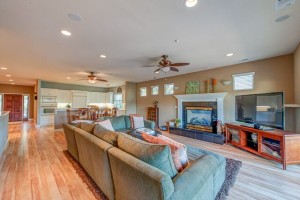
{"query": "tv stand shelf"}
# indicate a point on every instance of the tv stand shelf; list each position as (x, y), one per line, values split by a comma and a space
(277, 145)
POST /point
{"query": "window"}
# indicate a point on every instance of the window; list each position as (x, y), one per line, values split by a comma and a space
(243, 81)
(169, 88)
(143, 91)
(154, 90)
(118, 100)
(25, 107)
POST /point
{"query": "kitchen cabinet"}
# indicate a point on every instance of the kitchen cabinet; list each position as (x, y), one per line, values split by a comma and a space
(46, 120)
(64, 96)
(96, 97)
(79, 99)
(49, 92)
(109, 97)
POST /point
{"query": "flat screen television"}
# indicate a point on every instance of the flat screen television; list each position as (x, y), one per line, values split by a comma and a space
(264, 109)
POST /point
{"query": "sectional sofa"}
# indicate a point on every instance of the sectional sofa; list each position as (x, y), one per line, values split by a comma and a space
(122, 176)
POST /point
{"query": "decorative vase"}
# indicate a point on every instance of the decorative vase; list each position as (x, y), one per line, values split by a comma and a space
(213, 85)
(254, 137)
(207, 86)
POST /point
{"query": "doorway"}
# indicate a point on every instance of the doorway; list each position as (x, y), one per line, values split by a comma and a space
(14, 104)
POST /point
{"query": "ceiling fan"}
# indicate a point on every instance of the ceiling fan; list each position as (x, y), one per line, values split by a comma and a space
(92, 78)
(166, 65)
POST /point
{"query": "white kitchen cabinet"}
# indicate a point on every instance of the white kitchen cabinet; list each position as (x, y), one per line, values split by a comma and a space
(96, 97)
(79, 99)
(46, 120)
(49, 92)
(45, 92)
(109, 97)
(64, 96)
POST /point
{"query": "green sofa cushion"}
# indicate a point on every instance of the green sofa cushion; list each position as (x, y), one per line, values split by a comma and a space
(127, 122)
(118, 123)
(158, 156)
(106, 135)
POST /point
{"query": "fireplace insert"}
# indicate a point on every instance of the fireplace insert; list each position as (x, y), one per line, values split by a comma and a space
(199, 118)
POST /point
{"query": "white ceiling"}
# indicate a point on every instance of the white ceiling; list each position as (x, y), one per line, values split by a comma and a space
(135, 33)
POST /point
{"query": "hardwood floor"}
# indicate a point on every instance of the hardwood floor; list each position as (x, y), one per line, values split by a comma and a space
(35, 167)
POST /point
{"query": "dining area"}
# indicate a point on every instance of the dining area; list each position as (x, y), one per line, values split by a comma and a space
(91, 113)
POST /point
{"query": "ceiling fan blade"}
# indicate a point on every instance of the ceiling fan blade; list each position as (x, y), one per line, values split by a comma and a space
(157, 70)
(174, 69)
(148, 66)
(179, 64)
(102, 80)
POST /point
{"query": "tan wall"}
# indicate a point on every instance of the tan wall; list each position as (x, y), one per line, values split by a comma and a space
(271, 75)
(130, 98)
(20, 89)
(297, 85)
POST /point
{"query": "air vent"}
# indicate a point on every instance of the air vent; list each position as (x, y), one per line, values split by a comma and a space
(281, 4)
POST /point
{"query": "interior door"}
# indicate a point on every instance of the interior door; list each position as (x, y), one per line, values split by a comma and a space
(13, 104)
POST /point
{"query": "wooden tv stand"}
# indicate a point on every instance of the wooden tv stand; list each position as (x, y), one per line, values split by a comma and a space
(277, 145)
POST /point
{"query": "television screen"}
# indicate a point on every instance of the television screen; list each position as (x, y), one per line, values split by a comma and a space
(265, 109)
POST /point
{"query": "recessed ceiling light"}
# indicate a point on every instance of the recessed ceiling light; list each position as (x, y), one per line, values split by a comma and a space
(66, 33)
(8, 75)
(282, 18)
(68, 78)
(11, 80)
(176, 40)
(12, 83)
(75, 17)
(190, 3)
(3, 68)
(102, 56)
(229, 54)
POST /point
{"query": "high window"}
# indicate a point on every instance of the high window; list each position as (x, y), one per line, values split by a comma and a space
(169, 89)
(243, 81)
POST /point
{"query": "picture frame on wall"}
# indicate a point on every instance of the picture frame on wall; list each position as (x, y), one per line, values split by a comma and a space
(192, 87)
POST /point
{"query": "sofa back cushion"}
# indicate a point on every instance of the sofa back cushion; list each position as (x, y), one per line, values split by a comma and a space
(106, 135)
(127, 122)
(87, 127)
(158, 156)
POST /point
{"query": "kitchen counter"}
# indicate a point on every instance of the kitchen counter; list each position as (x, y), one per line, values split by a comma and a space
(4, 118)
(61, 117)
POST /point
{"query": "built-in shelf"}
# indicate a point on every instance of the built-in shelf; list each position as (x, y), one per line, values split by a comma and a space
(292, 105)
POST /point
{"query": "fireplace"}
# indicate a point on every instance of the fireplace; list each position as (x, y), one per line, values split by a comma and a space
(199, 118)
(199, 114)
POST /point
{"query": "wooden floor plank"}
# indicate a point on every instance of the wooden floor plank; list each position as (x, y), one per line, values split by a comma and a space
(35, 167)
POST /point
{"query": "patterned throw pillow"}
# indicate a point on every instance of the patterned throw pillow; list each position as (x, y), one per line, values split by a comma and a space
(182, 150)
(174, 149)
(87, 127)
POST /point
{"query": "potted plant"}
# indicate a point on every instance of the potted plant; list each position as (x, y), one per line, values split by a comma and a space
(177, 122)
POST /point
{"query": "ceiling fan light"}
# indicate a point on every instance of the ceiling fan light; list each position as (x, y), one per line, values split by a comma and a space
(156, 72)
(91, 81)
(190, 3)
(165, 69)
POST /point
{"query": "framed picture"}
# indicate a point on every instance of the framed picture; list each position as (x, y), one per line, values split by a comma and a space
(192, 87)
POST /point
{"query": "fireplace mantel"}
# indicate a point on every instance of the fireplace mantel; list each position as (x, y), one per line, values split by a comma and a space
(205, 97)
